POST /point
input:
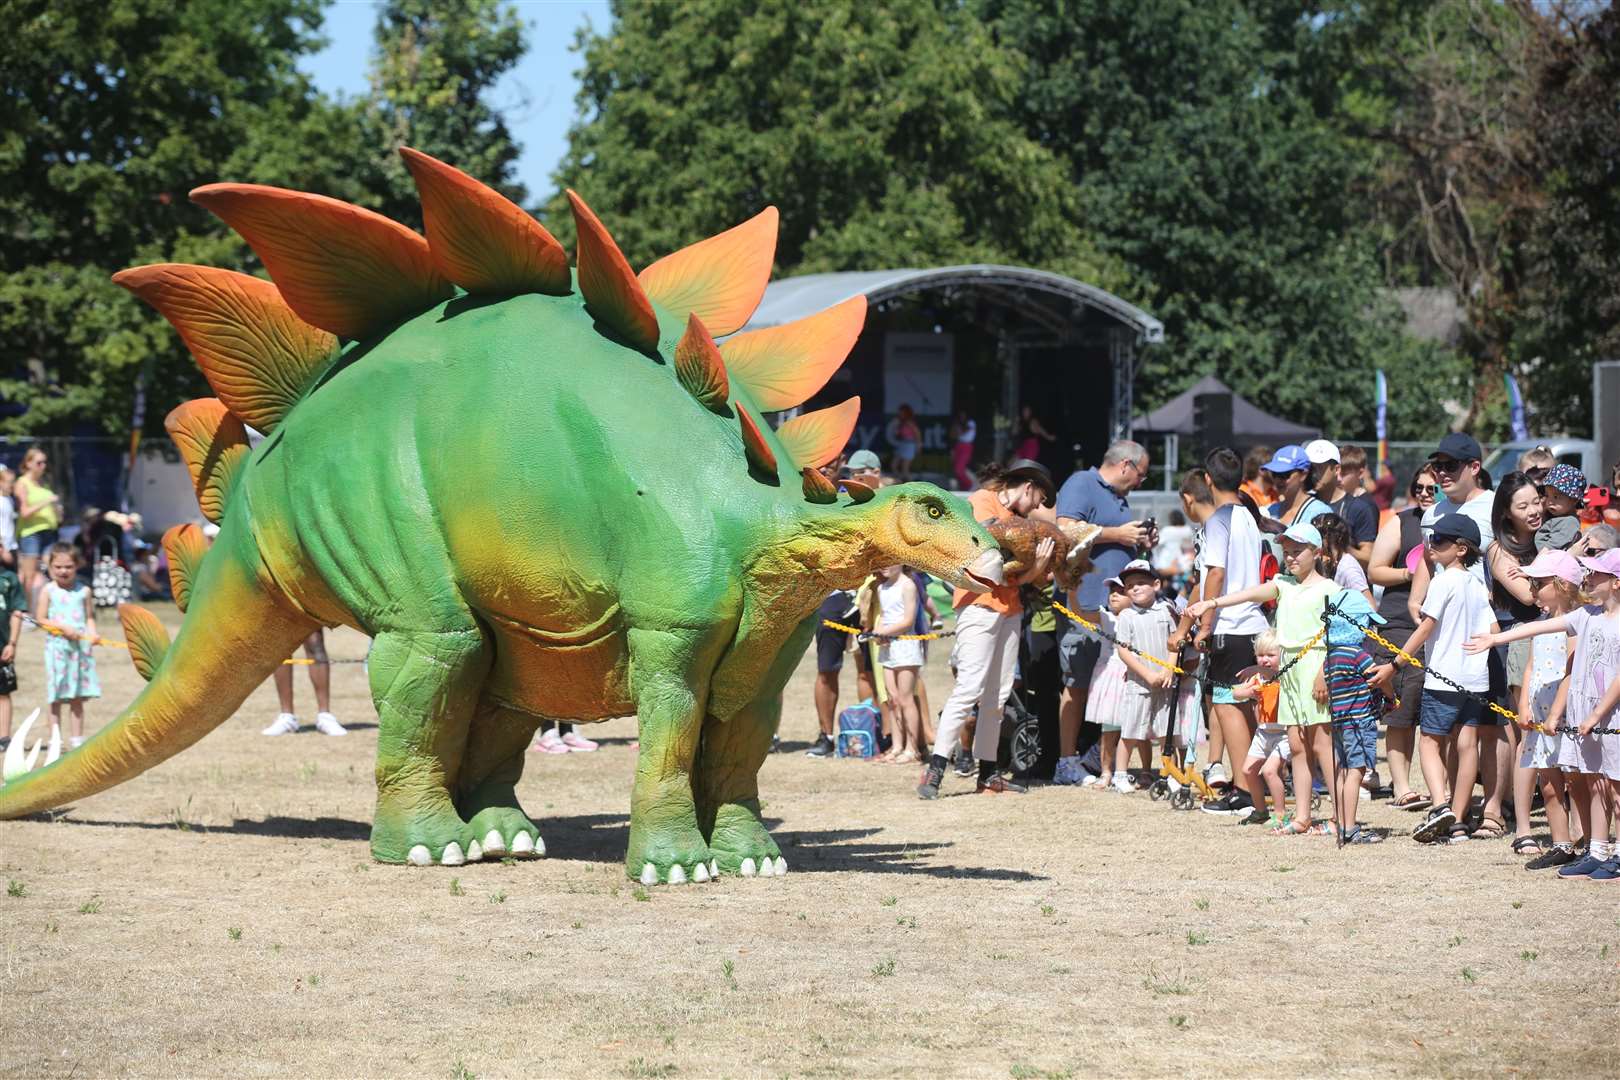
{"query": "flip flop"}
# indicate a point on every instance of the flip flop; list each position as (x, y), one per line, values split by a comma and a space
(1412, 801)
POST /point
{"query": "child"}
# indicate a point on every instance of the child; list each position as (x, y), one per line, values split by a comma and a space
(1592, 693)
(1563, 490)
(1302, 598)
(1455, 609)
(1143, 713)
(66, 607)
(1268, 752)
(1351, 677)
(901, 660)
(1107, 683)
(12, 607)
(8, 520)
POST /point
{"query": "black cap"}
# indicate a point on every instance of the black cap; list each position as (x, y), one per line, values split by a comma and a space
(1025, 469)
(1456, 527)
(1459, 446)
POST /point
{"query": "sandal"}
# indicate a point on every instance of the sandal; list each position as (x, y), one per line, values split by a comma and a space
(1490, 828)
(905, 757)
(1526, 845)
(1290, 827)
(1458, 834)
(1362, 835)
(1411, 801)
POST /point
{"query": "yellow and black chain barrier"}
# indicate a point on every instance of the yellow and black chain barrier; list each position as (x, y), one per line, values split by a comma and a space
(114, 644)
(867, 635)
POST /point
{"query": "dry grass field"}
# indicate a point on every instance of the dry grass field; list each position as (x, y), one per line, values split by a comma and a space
(220, 916)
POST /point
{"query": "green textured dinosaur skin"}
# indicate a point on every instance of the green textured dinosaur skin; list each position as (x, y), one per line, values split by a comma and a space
(533, 522)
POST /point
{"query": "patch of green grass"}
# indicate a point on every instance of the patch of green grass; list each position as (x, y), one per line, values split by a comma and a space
(1470, 975)
(307, 771)
(52, 927)
(1178, 1021)
(640, 893)
(1282, 869)
(1048, 910)
(1603, 953)
(1176, 985)
(883, 968)
(177, 816)
(1195, 938)
(577, 925)
(1020, 1071)
(889, 901)
(642, 1068)
(1517, 904)
(313, 980)
(275, 946)
(508, 861)
(91, 906)
(1454, 942)
(455, 887)
(1201, 905)
(801, 916)
(1528, 954)
(498, 896)
(234, 933)
(908, 922)
(16, 888)
(362, 868)
(729, 970)
(459, 1071)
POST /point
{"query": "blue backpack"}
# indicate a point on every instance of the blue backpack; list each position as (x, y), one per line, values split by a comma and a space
(858, 730)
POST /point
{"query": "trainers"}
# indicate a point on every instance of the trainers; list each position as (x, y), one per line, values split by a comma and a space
(1556, 856)
(999, 785)
(1437, 821)
(1581, 867)
(824, 747)
(284, 724)
(1231, 804)
(579, 744)
(327, 724)
(1216, 774)
(1091, 780)
(965, 765)
(1258, 816)
(1123, 783)
(929, 788)
(1067, 771)
(1607, 870)
(549, 743)
(75, 742)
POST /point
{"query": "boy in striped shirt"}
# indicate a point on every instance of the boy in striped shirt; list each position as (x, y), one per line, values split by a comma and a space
(1355, 688)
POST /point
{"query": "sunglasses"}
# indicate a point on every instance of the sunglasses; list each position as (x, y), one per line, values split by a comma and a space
(1420, 491)
(1447, 466)
(1441, 541)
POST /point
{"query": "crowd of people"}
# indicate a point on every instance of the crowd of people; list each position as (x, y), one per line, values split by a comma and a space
(1299, 613)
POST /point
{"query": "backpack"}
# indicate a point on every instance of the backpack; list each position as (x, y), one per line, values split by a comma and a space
(858, 730)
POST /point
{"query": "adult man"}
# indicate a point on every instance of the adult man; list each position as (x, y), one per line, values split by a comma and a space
(1359, 512)
(1231, 557)
(831, 644)
(1096, 496)
(1463, 491)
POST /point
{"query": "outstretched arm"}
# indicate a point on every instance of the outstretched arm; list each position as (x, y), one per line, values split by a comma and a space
(1259, 594)
(1480, 642)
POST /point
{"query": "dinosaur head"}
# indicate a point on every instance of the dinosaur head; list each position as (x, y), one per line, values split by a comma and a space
(926, 527)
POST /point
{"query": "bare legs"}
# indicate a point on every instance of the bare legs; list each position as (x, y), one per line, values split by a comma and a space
(1398, 742)
(902, 685)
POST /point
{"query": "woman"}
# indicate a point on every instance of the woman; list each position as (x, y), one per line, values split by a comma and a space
(1515, 517)
(1028, 435)
(904, 436)
(963, 434)
(39, 512)
(1395, 554)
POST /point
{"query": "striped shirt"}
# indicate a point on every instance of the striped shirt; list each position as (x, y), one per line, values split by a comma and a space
(1346, 671)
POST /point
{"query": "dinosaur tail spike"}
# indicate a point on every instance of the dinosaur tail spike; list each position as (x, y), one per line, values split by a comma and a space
(214, 445)
(782, 366)
(699, 368)
(817, 488)
(720, 279)
(237, 634)
(611, 291)
(258, 356)
(479, 238)
(341, 268)
(185, 545)
(147, 639)
(815, 438)
(760, 455)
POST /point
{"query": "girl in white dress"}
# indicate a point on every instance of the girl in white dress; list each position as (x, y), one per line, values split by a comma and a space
(1549, 661)
(901, 660)
(1143, 713)
(1107, 682)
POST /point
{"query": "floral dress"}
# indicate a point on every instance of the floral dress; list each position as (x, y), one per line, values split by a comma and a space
(70, 669)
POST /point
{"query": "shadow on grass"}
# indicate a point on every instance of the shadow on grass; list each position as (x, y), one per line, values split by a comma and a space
(321, 828)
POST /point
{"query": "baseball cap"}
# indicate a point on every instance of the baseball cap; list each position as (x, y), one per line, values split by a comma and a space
(1138, 566)
(1303, 532)
(1025, 469)
(1556, 563)
(1459, 446)
(1350, 615)
(1287, 459)
(1604, 562)
(1567, 480)
(1320, 450)
(1456, 527)
(863, 459)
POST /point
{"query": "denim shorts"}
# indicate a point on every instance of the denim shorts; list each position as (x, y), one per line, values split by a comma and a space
(1077, 656)
(1355, 741)
(1443, 711)
(36, 543)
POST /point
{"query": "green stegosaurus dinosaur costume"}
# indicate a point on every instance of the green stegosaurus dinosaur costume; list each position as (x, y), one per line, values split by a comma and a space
(545, 494)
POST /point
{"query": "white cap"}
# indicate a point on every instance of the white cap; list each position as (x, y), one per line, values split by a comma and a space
(1136, 566)
(1320, 450)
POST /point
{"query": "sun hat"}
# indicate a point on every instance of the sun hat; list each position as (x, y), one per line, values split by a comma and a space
(863, 459)
(1556, 563)
(1288, 459)
(1350, 616)
(1456, 527)
(1033, 471)
(1303, 532)
(1320, 451)
(1605, 562)
(1566, 479)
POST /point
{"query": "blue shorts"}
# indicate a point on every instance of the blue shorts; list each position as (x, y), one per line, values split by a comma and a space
(1355, 741)
(36, 543)
(1443, 711)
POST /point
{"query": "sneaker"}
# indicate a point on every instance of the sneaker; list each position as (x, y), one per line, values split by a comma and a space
(579, 744)
(776, 744)
(1581, 867)
(1363, 835)
(1258, 816)
(5, 741)
(75, 742)
(999, 785)
(285, 724)
(327, 724)
(1555, 856)
(1434, 824)
(1124, 783)
(965, 765)
(1216, 774)
(824, 747)
(929, 788)
(1608, 870)
(549, 743)
(1232, 804)
(1067, 771)
(1090, 780)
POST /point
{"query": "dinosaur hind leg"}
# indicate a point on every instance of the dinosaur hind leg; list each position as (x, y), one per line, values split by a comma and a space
(497, 745)
(426, 686)
(726, 786)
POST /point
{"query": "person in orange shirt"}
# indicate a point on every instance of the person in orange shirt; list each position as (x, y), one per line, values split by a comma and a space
(1256, 481)
(987, 624)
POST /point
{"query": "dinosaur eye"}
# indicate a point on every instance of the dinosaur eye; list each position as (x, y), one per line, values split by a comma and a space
(935, 512)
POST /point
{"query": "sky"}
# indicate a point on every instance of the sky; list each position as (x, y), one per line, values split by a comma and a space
(537, 97)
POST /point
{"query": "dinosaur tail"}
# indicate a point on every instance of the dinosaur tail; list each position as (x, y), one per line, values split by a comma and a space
(236, 634)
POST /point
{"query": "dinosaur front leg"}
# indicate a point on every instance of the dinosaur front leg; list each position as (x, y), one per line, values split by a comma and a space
(497, 745)
(665, 843)
(425, 686)
(727, 789)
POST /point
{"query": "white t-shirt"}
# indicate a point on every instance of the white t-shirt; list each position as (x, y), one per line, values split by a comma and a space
(1461, 607)
(1478, 508)
(1349, 574)
(8, 523)
(1232, 542)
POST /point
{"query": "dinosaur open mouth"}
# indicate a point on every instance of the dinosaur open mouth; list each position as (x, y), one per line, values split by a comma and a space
(986, 583)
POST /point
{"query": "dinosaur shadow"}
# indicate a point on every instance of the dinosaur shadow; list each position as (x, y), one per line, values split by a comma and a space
(321, 828)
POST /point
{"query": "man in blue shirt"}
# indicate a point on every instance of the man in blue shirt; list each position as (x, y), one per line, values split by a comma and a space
(1097, 496)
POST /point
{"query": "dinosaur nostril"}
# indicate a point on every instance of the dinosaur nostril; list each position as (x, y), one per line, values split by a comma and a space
(975, 541)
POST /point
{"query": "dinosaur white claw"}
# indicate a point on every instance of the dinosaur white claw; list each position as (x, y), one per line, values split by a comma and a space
(420, 856)
(677, 876)
(649, 874)
(494, 843)
(17, 762)
(766, 867)
(539, 845)
(781, 866)
(474, 852)
(523, 845)
(54, 749)
(747, 868)
(714, 868)
(701, 873)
